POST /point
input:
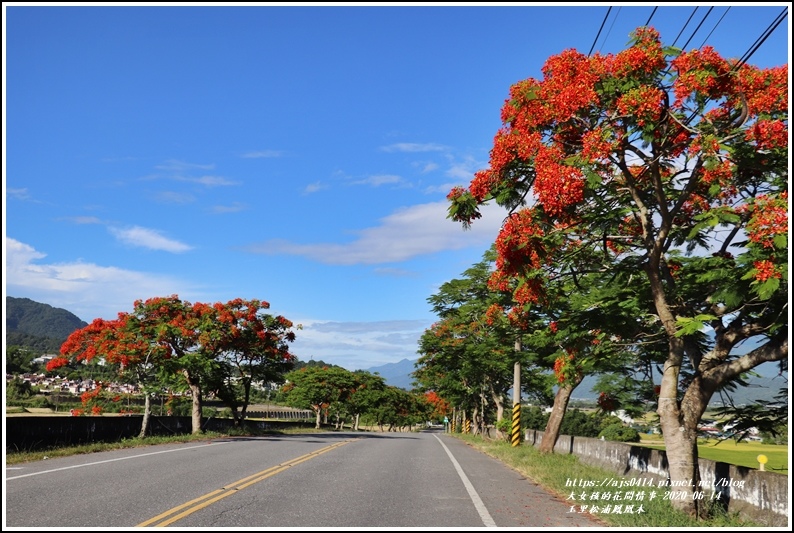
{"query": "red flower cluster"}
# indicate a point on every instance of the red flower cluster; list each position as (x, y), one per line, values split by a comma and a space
(768, 134)
(765, 270)
(701, 71)
(606, 402)
(769, 219)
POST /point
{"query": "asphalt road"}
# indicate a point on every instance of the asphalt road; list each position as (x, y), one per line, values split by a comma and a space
(323, 480)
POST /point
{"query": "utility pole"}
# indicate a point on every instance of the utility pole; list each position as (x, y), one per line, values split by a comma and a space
(515, 431)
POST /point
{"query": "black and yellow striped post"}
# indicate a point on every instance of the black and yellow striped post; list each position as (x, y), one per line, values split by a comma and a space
(515, 429)
(468, 425)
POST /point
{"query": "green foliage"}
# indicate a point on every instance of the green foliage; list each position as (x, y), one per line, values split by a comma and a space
(313, 387)
(36, 344)
(19, 359)
(179, 406)
(37, 401)
(18, 389)
(577, 423)
(620, 433)
(778, 436)
(505, 425)
(533, 417)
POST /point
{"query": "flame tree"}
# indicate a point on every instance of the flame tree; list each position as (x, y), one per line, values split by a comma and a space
(668, 163)
(253, 347)
(164, 337)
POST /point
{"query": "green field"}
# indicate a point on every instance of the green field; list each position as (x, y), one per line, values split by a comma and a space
(737, 453)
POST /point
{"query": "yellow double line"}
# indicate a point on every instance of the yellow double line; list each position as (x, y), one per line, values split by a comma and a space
(177, 513)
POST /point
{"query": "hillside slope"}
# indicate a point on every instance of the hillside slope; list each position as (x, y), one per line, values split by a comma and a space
(38, 326)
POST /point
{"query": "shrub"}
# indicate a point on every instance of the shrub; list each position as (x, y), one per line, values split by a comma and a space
(505, 425)
(39, 402)
(620, 433)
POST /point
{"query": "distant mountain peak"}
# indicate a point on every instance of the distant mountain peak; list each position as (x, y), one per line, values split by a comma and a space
(396, 374)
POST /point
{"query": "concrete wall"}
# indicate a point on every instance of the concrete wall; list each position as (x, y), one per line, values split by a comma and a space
(761, 496)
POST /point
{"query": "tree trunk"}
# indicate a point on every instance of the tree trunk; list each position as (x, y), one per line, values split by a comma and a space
(318, 410)
(195, 390)
(147, 411)
(555, 418)
(475, 420)
(355, 424)
(237, 417)
(500, 409)
(246, 400)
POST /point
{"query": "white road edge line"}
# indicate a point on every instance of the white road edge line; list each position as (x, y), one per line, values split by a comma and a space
(478, 504)
(113, 460)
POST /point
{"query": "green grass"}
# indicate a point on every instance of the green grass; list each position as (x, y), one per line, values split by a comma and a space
(552, 471)
(736, 453)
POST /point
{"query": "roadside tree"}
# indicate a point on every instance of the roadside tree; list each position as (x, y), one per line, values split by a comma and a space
(316, 388)
(252, 347)
(655, 162)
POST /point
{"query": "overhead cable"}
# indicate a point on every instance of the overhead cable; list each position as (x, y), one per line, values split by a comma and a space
(685, 25)
(715, 27)
(696, 29)
(763, 37)
(652, 13)
(599, 31)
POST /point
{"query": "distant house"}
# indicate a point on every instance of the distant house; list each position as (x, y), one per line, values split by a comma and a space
(44, 358)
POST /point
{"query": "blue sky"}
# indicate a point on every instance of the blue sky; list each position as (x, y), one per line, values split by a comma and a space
(297, 154)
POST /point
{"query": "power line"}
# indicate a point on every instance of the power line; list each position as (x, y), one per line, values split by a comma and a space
(599, 31)
(696, 29)
(763, 37)
(652, 13)
(715, 26)
(612, 25)
(685, 25)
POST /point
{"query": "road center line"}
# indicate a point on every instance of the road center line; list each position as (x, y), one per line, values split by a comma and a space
(181, 511)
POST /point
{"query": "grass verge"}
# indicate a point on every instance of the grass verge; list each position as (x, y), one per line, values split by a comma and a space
(553, 472)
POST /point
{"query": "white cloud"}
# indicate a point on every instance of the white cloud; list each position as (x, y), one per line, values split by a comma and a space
(148, 238)
(19, 194)
(212, 181)
(314, 187)
(464, 169)
(444, 188)
(85, 289)
(180, 166)
(377, 181)
(263, 153)
(395, 272)
(171, 197)
(410, 232)
(358, 345)
(85, 220)
(414, 147)
(223, 209)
